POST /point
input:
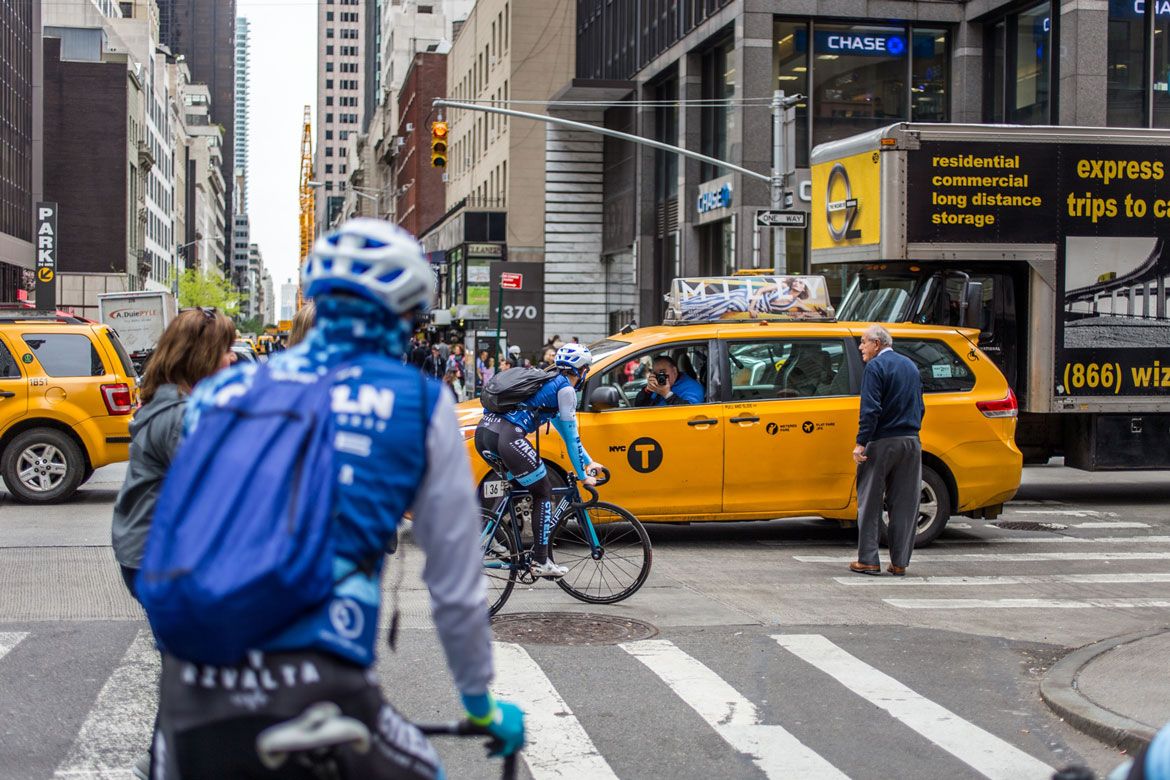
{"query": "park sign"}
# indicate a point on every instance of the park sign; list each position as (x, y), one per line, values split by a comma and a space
(46, 264)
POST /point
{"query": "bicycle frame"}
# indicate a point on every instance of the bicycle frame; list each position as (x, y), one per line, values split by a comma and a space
(565, 498)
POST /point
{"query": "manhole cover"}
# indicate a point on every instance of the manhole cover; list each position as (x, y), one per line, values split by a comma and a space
(569, 628)
(1028, 525)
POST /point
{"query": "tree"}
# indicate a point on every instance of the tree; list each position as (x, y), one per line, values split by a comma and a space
(254, 325)
(208, 289)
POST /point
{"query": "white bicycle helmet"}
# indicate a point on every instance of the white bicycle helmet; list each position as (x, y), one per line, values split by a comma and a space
(373, 259)
(574, 356)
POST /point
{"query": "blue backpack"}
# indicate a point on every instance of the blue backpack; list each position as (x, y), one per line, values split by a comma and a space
(240, 544)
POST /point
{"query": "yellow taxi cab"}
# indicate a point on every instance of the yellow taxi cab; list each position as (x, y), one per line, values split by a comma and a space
(773, 434)
(67, 391)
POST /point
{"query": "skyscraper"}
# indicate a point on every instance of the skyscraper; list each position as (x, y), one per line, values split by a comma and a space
(203, 31)
(20, 163)
(341, 45)
(241, 139)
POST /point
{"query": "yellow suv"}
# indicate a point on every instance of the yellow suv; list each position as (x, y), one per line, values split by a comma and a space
(67, 391)
(774, 433)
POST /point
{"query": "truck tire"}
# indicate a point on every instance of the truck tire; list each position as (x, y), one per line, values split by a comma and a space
(42, 466)
(933, 513)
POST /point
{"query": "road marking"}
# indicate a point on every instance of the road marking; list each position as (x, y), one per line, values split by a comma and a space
(1027, 604)
(1004, 557)
(1063, 512)
(10, 640)
(1047, 538)
(118, 728)
(558, 746)
(1111, 524)
(984, 752)
(773, 749)
(1036, 579)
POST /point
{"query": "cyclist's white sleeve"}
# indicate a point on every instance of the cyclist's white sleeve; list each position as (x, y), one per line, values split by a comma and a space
(565, 422)
(446, 525)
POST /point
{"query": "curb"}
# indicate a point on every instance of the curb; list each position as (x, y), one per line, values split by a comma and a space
(1059, 691)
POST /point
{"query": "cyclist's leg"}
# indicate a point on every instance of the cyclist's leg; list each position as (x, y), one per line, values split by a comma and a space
(526, 468)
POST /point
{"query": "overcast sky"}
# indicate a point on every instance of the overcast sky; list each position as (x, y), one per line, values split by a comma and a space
(283, 80)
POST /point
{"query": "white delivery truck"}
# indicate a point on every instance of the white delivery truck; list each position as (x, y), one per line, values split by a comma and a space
(139, 319)
(1053, 241)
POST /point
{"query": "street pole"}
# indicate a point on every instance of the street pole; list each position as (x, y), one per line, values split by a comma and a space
(779, 245)
(499, 326)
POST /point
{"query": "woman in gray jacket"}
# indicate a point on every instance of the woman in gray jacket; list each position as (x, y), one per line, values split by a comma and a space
(194, 346)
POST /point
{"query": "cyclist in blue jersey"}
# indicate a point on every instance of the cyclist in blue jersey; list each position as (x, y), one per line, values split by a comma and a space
(397, 449)
(501, 440)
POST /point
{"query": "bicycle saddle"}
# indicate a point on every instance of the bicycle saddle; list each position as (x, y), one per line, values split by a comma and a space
(320, 726)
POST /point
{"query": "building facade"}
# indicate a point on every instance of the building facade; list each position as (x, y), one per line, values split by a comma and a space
(341, 96)
(418, 183)
(288, 299)
(240, 139)
(861, 64)
(21, 92)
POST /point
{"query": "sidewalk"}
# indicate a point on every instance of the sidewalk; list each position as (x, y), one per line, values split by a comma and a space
(1117, 690)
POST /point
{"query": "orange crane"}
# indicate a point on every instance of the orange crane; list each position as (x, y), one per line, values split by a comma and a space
(308, 201)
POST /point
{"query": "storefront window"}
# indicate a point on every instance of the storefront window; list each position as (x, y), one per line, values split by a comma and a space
(1125, 105)
(1162, 66)
(666, 131)
(928, 85)
(717, 248)
(859, 78)
(1033, 52)
(718, 120)
(790, 68)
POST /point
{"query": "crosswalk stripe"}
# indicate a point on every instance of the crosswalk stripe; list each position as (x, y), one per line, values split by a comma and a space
(9, 640)
(117, 729)
(1002, 557)
(773, 749)
(986, 753)
(1028, 603)
(1044, 539)
(1136, 578)
(1111, 524)
(558, 745)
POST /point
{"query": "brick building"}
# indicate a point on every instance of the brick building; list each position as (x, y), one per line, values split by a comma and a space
(420, 185)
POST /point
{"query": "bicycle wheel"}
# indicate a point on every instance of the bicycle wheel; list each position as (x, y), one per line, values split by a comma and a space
(625, 558)
(501, 557)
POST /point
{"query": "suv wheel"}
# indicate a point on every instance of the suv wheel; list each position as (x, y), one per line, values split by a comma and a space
(42, 466)
(934, 510)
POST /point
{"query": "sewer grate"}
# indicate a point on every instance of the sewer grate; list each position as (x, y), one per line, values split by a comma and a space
(1029, 525)
(569, 628)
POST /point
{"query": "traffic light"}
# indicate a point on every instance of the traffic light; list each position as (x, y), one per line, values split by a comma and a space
(439, 144)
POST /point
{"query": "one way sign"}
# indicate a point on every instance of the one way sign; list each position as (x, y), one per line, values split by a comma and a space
(788, 219)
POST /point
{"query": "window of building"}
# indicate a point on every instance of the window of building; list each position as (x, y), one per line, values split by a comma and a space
(329, 16)
(329, 168)
(328, 135)
(929, 75)
(1021, 79)
(328, 67)
(328, 118)
(717, 120)
(1138, 64)
(328, 32)
(790, 69)
(328, 100)
(328, 83)
(328, 151)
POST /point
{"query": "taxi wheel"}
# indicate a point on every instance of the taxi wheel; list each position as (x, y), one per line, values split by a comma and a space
(42, 466)
(934, 510)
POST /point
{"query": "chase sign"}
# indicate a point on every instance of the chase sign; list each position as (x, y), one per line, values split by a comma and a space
(711, 200)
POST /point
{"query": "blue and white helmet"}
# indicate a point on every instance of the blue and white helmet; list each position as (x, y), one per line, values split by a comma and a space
(373, 259)
(574, 356)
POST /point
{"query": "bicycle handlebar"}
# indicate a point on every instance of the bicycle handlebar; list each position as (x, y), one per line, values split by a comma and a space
(465, 728)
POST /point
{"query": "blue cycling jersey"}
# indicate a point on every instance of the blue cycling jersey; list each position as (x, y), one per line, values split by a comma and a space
(555, 402)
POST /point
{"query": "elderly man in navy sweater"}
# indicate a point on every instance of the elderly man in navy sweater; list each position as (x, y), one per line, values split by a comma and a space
(888, 453)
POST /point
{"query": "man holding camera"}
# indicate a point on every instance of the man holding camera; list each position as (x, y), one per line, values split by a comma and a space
(667, 386)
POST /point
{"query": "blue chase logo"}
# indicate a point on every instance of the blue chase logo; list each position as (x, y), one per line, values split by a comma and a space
(714, 199)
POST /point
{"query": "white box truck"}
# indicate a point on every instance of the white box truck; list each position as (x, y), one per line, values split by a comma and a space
(139, 319)
(1054, 241)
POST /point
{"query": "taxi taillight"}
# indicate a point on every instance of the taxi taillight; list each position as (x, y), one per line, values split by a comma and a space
(118, 398)
(1004, 407)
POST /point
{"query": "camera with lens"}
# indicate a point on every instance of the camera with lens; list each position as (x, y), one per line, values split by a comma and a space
(661, 377)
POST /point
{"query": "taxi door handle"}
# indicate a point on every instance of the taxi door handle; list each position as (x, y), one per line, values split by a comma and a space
(744, 419)
(702, 422)
(6, 394)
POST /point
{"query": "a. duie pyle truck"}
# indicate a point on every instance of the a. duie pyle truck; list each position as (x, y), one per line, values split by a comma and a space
(1054, 241)
(139, 319)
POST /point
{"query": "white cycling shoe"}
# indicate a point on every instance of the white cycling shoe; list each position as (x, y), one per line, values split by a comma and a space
(548, 570)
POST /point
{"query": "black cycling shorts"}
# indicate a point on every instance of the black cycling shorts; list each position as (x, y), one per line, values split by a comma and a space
(501, 442)
(209, 718)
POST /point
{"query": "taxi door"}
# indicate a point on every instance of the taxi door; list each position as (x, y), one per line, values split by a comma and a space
(663, 460)
(789, 425)
(13, 387)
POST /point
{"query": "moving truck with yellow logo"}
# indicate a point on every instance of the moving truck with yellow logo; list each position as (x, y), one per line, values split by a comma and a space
(1053, 241)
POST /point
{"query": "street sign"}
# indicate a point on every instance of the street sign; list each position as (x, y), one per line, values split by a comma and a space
(511, 281)
(788, 219)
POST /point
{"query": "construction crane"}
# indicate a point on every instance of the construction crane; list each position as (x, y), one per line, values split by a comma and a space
(308, 201)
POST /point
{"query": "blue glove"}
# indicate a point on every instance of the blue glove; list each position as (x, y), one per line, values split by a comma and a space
(503, 720)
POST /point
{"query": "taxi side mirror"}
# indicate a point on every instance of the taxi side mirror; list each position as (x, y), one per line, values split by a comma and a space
(973, 306)
(604, 397)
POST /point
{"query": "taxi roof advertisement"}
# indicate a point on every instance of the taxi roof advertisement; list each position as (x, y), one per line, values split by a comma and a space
(1105, 207)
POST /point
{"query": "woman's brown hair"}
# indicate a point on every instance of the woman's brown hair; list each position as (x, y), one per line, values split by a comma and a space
(302, 323)
(190, 349)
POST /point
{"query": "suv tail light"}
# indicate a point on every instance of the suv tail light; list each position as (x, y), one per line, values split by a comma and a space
(118, 398)
(1004, 407)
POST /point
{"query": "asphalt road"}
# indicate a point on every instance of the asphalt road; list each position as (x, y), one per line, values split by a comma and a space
(760, 656)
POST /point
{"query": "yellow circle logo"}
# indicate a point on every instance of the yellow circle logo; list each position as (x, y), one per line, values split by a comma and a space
(45, 274)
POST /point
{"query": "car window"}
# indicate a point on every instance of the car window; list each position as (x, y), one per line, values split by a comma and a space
(65, 354)
(942, 371)
(120, 351)
(630, 375)
(9, 369)
(770, 369)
